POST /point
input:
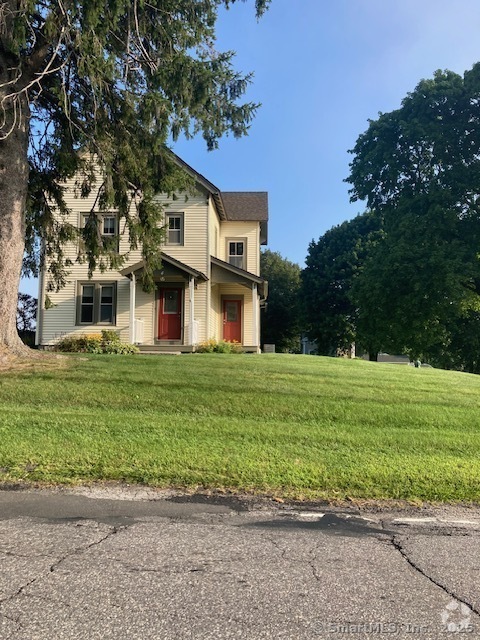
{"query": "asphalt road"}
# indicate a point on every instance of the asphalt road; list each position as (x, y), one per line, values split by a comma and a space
(134, 565)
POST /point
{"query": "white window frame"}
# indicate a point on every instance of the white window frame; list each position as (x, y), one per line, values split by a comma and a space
(109, 234)
(170, 216)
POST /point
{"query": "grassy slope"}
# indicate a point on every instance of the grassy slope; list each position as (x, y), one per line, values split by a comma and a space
(296, 425)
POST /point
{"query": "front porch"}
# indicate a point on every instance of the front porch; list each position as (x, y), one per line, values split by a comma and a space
(165, 320)
(188, 308)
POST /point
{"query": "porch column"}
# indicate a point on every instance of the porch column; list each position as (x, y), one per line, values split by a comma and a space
(191, 293)
(133, 286)
(255, 314)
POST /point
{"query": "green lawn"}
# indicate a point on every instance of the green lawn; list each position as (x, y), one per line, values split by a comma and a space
(298, 426)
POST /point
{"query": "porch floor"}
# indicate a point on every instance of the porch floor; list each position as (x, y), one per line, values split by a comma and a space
(165, 348)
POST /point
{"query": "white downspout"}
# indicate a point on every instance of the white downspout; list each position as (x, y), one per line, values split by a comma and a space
(133, 286)
(255, 314)
(191, 293)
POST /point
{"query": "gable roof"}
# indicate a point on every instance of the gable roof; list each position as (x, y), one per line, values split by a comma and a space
(246, 205)
(239, 274)
(232, 205)
(181, 266)
(206, 184)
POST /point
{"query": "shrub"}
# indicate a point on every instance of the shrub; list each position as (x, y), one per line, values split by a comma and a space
(106, 342)
(222, 346)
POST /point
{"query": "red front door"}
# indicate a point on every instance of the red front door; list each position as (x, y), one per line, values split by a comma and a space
(232, 320)
(170, 314)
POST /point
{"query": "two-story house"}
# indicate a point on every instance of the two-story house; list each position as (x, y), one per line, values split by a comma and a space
(209, 284)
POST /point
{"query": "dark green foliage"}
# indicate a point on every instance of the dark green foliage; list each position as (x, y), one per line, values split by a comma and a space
(281, 322)
(110, 82)
(26, 312)
(27, 318)
(333, 263)
(419, 167)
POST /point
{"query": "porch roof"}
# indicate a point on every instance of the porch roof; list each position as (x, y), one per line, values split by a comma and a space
(181, 266)
(231, 273)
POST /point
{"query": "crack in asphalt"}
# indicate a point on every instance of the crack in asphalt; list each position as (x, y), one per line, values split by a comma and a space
(396, 544)
(53, 567)
(310, 563)
(16, 622)
(81, 550)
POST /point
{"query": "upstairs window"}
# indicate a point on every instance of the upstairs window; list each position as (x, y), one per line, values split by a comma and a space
(107, 227)
(174, 228)
(236, 253)
(96, 303)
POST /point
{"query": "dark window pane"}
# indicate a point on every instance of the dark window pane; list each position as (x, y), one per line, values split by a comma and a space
(106, 313)
(86, 314)
(231, 248)
(231, 309)
(170, 301)
(239, 248)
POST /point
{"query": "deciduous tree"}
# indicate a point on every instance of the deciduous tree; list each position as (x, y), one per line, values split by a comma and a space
(110, 81)
(419, 167)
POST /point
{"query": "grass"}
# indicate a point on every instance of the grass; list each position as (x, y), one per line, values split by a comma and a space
(296, 426)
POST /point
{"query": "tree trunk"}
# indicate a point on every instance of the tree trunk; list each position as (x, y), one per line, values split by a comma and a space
(13, 195)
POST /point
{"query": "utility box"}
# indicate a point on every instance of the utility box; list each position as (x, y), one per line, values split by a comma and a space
(268, 348)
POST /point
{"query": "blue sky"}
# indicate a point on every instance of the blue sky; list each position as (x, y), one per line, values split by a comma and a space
(322, 68)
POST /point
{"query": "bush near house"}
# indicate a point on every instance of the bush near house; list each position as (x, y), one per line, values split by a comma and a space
(220, 346)
(106, 342)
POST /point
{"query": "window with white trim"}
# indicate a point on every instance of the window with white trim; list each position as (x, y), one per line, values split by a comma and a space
(236, 253)
(174, 228)
(96, 303)
(109, 226)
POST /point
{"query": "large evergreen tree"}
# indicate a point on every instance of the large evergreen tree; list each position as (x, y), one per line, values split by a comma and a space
(333, 264)
(110, 81)
(282, 320)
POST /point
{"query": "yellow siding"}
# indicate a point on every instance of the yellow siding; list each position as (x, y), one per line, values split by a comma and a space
(247, 315)
(248, 230)
(60, 319)
(201, 228)
(194, 250)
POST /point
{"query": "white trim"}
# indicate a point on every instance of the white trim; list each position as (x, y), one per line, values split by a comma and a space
(255, 314)
(131, 328)
(40, 307)
(191, 293)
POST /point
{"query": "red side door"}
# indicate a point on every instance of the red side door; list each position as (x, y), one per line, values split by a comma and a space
(170, 314)
(232, 320)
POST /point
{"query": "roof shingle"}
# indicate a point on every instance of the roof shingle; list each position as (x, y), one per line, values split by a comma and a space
(245, 205)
